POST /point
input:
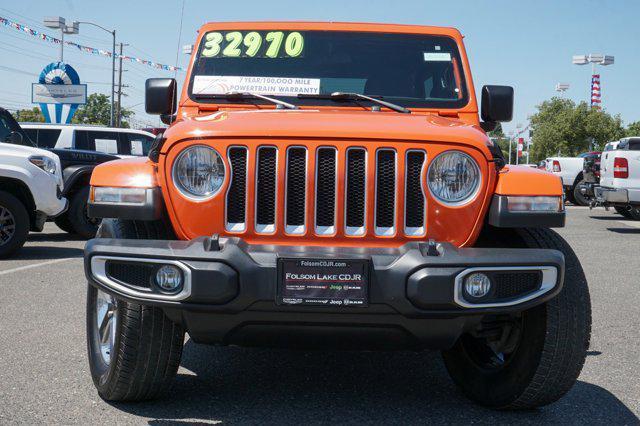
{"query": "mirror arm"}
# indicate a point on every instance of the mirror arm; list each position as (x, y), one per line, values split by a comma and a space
(168, 118)
(488, 126)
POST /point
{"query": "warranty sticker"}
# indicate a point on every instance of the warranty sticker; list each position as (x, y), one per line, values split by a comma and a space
(282, 86)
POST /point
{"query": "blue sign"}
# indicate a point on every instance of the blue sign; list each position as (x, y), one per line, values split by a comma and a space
(56, 73)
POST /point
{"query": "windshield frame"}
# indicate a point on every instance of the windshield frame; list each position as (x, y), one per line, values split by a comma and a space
(14, 126)
(467, 103)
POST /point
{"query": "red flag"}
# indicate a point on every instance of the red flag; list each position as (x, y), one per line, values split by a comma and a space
(520, 147)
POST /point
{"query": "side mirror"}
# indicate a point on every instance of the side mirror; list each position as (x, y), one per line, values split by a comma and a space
(161, 96)
(497, 104)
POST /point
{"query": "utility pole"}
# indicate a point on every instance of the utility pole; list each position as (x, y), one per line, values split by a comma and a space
(120, 87)
(118, 116)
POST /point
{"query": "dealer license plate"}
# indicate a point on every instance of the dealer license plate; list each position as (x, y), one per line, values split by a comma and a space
(323, 282)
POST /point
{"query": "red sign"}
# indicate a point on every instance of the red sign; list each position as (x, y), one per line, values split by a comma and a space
(520, 146)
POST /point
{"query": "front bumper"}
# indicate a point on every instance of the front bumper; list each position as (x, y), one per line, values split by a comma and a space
(414, 290)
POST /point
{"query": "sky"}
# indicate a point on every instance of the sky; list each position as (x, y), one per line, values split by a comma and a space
(525, 44)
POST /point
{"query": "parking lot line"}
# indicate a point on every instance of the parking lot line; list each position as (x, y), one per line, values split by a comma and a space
(35, 265)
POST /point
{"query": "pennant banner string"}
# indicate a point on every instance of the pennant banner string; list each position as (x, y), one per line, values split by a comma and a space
(86, 49)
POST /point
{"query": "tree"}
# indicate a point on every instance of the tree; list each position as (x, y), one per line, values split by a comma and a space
(633, 129)
(33, 115)
(560, 127)
(497, 136)
(97, 110)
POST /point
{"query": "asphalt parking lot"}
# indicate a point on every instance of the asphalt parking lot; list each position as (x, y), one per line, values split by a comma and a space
(44, 377)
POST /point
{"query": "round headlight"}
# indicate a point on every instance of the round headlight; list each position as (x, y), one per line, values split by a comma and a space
(199, 171)
(453, 177)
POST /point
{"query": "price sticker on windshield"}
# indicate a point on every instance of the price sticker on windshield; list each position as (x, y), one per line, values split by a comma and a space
(253, 44)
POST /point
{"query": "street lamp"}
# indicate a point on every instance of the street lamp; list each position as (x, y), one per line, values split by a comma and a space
(113, 64)
(594, 59)
(59, 23)
(562, 87)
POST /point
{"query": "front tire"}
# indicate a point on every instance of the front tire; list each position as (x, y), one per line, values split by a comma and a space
(83, 225)
(545, 349)
(64, 223)
(14, 224)
(134, 350)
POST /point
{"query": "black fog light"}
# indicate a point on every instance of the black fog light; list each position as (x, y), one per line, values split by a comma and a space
(477, 285)
(169, 279)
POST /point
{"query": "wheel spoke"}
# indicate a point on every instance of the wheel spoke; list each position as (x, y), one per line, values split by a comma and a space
(7, 225)
(106, 323)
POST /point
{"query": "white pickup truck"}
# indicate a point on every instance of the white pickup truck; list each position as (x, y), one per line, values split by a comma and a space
(569, 169)
(620, 178)
(30, 186)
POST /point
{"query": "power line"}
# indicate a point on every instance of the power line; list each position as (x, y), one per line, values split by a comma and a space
(35, 55)
(15, 70)
(175, 74)
(38, 24)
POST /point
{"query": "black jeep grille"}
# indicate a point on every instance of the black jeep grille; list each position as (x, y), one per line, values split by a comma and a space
(358, 189)
(266, 186)
(296, 186)
(326, 187)
(414, 197)
(386, 189)
(237, 195)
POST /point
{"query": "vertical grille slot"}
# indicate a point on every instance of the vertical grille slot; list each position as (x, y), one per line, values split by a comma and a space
(237, 193)
(266, 177)
(355, 193)
(414, 209)
(296, 190)
(326, 191)
(385, 192)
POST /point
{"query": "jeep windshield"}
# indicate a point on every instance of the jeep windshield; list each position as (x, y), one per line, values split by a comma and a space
(411, 70)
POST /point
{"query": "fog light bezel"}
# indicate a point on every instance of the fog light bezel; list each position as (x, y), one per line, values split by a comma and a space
(99, 274)
(549, 282)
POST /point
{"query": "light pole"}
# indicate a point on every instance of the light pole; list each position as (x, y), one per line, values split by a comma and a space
(562, 87)
(594, 59)
(59, 23)
(113, 64)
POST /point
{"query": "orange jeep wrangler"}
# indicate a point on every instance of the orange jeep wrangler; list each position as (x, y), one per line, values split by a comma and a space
(331, 185)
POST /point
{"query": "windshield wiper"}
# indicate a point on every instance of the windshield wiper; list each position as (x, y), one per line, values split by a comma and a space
(339, 96)
(245, 95)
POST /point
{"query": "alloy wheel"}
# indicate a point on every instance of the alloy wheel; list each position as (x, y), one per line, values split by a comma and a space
(7, 225)
(106, 322)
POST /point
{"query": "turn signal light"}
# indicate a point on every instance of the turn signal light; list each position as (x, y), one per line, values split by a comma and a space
(534, 204)
(620, 168)
(124, 196)
(556, 166)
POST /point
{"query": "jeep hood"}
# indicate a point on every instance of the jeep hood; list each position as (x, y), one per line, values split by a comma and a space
(361, 125)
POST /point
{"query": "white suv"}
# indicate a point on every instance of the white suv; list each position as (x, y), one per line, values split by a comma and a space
(30, 186)
(110, 140)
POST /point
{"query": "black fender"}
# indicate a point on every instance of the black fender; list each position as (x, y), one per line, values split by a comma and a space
(72, 175)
